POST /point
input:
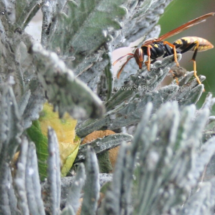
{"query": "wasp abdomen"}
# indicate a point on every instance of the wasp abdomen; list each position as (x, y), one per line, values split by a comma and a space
(193, 42)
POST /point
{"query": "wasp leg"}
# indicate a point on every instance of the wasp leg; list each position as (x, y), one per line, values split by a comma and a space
(174, 51)
(174, 77)
(194, 61)
(169, 52)
(148, 62)
(177, 81)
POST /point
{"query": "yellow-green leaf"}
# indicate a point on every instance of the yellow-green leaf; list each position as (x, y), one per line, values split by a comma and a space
(69, 160)
(67, 140)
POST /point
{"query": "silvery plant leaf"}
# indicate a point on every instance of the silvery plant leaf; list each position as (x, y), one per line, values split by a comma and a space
(10, 132)
(92, 187)
(27, 182)
(83, 26)
(63, 89)
(10, 126)
(199, 202)
(54, 177)
(143, 16)
(102, 144)
(164, 157)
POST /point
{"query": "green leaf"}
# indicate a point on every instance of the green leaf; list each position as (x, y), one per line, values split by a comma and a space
(41, 143)
(109, 78)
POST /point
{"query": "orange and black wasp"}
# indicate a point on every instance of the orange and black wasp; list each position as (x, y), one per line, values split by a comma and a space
(155, 48)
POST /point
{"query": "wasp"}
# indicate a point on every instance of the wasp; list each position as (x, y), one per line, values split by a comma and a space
(155, 48)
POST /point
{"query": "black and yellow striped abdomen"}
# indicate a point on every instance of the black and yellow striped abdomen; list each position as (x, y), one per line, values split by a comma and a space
(186, 42)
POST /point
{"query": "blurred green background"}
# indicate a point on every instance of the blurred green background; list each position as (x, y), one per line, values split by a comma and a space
(182, 11)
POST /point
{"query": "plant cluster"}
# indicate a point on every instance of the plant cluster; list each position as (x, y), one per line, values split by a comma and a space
(165, 163)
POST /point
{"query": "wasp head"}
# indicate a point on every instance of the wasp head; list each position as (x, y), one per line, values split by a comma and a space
(138, 55)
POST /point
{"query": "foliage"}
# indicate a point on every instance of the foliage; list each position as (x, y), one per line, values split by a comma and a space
(165, 162)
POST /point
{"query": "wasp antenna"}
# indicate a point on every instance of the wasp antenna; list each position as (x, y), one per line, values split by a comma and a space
(122, 57)
(120, 71)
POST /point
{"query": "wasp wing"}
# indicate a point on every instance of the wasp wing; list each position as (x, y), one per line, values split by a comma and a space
(185, 26)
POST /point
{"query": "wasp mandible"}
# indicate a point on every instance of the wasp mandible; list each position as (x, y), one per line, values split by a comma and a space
(155, 48)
